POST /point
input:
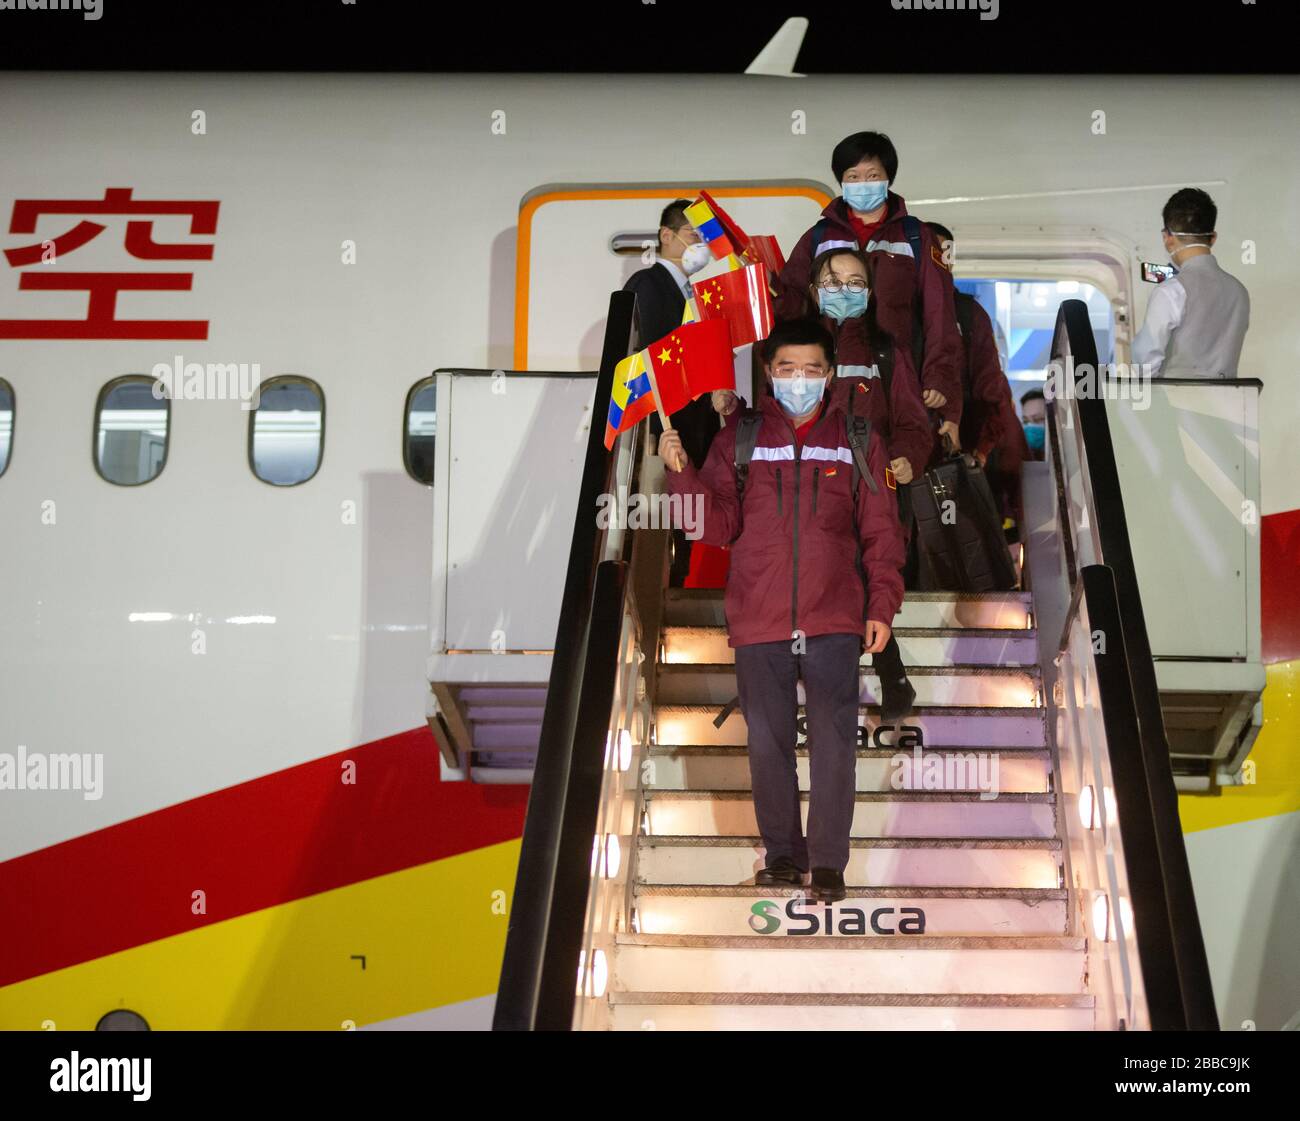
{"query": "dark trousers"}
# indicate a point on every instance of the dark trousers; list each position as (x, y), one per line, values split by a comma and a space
(767, 674)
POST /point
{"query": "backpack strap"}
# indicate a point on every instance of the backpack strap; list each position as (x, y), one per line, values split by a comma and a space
(885, 362)
(746, 438)
(912, 229)
(819, 233)
(964, 305)
(859, 433)
(751, 420)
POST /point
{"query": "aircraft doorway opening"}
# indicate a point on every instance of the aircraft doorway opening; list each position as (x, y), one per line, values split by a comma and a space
(1023, 312)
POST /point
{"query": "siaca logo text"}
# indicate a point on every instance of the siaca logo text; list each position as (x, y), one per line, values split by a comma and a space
(904, 735)
(765, 918)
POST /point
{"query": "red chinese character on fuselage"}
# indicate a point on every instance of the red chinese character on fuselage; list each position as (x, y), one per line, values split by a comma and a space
(101, 321)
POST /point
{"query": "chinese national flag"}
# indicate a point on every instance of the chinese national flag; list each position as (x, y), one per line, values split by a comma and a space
(742, 298)
(693, 359)
(763, 247)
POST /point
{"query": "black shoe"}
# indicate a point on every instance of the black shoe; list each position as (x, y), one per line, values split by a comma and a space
(827, 885)
(896, 699)
(782, 870)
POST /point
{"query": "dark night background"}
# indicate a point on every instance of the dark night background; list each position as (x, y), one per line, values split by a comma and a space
(869, 36)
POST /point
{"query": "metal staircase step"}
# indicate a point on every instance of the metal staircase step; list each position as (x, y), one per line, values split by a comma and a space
(889, 813)
(837, 1011)
(972, 686)
(919, 646)
(839, 962)
(703, 767)
(1013, 610)
(730, 909)
(953, 726)
(990, 862)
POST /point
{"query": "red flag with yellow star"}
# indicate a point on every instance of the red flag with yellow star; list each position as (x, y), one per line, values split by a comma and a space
(696, 358)
(742, 298)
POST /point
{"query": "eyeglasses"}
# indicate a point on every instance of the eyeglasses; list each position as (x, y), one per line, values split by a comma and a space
(834, 286)
(688, 234)
(790, 370)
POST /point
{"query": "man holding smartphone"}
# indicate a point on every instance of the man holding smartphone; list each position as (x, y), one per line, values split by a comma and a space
(1196, 320)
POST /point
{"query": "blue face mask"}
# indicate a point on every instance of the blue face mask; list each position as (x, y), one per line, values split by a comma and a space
(1035, 437)
(865, 196)
(843, 304)
(797, 396)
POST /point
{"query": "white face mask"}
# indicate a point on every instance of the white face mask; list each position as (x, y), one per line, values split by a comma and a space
(798, 395)
(695, 257)
(1176, 248)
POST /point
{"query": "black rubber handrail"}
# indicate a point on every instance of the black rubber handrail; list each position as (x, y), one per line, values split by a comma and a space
(544, 883)
(1137, 825)
(1183, 997)
(566, 927)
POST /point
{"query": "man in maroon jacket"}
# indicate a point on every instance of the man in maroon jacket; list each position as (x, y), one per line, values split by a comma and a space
(913, 287)
(814, 580)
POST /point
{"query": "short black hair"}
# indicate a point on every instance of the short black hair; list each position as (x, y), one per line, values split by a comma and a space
(824, 258)
(1031, 395)
(674, 214)
(852, 150)
(942, 231)
(799, 332)
(1190, 211)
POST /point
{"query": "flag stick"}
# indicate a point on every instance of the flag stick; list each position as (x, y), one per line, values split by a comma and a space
(663, 416)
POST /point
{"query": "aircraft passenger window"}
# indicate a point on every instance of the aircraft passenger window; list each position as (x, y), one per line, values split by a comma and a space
(286, 432)
(420, 429)
(6, 423)
(130, 431)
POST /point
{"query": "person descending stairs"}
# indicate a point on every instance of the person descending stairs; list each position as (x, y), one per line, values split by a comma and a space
(955, 914)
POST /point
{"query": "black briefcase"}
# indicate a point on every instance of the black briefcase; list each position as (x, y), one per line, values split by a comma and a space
(959, 530)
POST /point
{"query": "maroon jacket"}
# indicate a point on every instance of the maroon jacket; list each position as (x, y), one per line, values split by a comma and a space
(984, 418)
(792, 549)
(896, 281)
(1012, 451)
(902, 421)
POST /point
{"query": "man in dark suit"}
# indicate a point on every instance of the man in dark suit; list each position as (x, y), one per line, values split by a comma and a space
(661, 293)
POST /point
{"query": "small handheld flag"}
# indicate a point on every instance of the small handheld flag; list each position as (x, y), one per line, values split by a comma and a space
(700, 215)
(764, 247)
(743, 298)
(737, 237)
(630, 399)
(694, 359)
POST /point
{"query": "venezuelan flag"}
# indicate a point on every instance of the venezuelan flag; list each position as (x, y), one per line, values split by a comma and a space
(700, 215)
(630, 399)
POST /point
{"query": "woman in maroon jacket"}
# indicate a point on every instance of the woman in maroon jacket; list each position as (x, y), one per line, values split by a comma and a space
(839, 294)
